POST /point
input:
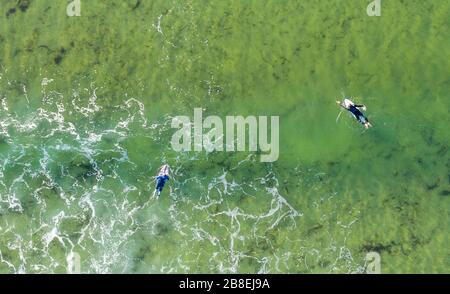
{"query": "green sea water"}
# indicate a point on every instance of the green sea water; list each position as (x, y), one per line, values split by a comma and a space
(85, 123)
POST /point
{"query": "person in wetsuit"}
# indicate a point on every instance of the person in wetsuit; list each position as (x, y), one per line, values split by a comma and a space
(355, 111)
(162, 178)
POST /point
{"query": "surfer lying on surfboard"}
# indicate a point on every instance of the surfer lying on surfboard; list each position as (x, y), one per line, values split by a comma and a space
(355, 111)
(162, 178)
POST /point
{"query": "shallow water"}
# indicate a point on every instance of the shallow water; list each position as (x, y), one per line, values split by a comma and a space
(86, 107)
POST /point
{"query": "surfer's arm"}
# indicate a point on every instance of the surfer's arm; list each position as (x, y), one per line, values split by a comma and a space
(341, 104)
(360, 106)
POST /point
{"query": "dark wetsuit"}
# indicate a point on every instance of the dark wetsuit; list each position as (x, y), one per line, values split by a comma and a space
(160, 182)
(358, 114)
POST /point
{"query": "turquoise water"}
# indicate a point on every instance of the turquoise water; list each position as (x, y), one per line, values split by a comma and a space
(85, 122)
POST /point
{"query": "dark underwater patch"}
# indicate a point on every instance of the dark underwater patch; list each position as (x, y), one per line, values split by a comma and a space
(136, 5)
(10, 11)
(23, 5)
(59, 57)
(445, 193)
(379, 247)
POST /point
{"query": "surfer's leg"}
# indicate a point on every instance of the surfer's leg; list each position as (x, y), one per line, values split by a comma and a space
(160, 186)
(362, 119)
